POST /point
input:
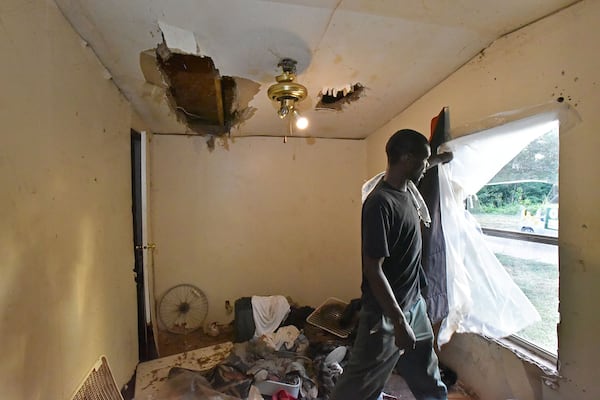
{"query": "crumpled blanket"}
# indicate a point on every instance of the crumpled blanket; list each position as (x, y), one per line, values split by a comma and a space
(221, 383)
(283, 337)
(255, 361)
(258, 360)
(229, 380)
(185, 384)
(327, 374)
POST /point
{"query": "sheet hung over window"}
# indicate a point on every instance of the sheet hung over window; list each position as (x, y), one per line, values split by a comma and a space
(482, 297)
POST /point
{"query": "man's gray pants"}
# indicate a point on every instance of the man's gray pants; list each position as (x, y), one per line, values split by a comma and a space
(374, 356)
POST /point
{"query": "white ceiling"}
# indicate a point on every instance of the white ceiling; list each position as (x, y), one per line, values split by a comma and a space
(397, 49)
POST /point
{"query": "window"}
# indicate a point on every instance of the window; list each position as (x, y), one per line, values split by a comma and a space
(518, 213)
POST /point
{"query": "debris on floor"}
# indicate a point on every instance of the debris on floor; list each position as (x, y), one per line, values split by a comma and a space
(291, 359)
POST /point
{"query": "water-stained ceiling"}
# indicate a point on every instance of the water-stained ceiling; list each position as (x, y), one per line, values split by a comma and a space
(201, 66)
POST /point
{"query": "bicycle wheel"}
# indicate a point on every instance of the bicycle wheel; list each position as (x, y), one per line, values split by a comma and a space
(183, 309)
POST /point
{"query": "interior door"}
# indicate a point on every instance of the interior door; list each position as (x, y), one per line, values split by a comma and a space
(147, 346)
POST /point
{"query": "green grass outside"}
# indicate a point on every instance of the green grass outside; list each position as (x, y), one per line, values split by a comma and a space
(499, 221)
(539, 282)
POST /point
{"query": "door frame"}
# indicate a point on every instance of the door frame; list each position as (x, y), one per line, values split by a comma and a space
(142, 271)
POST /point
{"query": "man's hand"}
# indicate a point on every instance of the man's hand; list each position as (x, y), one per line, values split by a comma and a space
(405, 337)
(446, 157)
(441, 158)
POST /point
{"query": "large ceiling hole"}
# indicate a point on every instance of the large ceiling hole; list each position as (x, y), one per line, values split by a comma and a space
(205, 101)
(335, 98)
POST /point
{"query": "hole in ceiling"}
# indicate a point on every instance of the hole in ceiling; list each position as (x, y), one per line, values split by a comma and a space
(335, 98)
(208, 103)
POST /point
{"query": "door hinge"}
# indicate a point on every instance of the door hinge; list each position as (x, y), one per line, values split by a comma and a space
(146, 247)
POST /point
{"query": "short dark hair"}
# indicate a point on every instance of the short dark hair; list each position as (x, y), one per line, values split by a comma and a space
(405, 141)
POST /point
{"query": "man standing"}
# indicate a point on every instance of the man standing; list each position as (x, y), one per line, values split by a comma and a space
(394, 330)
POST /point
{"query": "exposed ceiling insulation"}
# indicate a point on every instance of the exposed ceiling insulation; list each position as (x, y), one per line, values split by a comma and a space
(395, 50)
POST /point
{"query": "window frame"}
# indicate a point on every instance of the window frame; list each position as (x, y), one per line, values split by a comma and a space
(516, 340)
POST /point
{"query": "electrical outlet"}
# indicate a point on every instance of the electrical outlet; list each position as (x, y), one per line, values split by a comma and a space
(228, 307)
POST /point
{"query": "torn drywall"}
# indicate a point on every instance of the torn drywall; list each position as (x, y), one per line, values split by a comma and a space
(198, 96)
(208, 103)
(334, 98)
(177, 39)
(150, 69)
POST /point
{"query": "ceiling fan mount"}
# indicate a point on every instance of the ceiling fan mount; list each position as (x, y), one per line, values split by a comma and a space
(286, 91)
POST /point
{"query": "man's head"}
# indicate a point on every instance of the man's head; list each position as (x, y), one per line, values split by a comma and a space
(407, 152)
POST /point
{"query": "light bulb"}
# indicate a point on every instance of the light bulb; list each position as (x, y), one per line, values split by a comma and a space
(301, 122)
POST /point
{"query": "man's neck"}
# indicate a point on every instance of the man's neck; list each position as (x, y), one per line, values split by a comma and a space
(395, 180)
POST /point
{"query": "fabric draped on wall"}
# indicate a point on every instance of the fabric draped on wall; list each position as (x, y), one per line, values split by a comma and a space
(434, 245)
(482, 297)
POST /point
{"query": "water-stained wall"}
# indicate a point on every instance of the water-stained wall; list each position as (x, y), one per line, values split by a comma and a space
(257, 216)
(67, 294)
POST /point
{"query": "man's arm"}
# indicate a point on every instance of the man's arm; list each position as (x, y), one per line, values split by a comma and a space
(405, 337)
(441, 158)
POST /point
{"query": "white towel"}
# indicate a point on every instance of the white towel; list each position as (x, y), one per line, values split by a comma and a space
(269, 312)
(422, 209)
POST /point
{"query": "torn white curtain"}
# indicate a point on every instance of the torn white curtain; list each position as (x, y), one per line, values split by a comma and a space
(482, 297)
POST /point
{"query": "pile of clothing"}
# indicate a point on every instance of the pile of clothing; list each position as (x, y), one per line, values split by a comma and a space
(270, 348)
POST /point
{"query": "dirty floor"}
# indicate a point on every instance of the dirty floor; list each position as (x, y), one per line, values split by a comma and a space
(170, 344)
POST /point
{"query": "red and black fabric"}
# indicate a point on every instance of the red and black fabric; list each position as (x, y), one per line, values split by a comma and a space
(434, 248)
(282, 395)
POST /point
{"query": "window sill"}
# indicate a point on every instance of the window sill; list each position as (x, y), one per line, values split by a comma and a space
(526, 237)
(540, 358)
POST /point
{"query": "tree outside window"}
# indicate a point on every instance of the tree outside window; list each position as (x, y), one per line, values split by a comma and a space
(517, 209)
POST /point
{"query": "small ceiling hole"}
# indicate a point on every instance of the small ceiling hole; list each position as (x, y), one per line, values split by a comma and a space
(335, 98)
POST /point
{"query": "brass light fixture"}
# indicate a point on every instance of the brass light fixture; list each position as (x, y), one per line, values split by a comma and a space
(287, 93)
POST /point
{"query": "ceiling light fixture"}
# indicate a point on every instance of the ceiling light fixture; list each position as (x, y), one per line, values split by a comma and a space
(288, 93)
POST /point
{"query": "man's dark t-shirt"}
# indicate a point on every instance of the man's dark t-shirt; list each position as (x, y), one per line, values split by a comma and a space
(391, 229)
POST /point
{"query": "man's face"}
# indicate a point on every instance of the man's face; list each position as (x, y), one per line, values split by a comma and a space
(420, 164)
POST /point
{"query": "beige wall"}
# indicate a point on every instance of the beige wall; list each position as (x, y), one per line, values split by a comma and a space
(557, 56)
(260, 217)
(67, 294)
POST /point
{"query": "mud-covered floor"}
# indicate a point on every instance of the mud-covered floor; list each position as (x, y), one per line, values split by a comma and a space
(170, 344)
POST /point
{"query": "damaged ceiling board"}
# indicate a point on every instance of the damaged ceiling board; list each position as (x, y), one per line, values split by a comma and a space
(251, 41)
(197, 92)
(338, 63)
(208, 103)
(336, 98)
(205, 101)
(335, 43)
(177, 39)
(149, 66)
